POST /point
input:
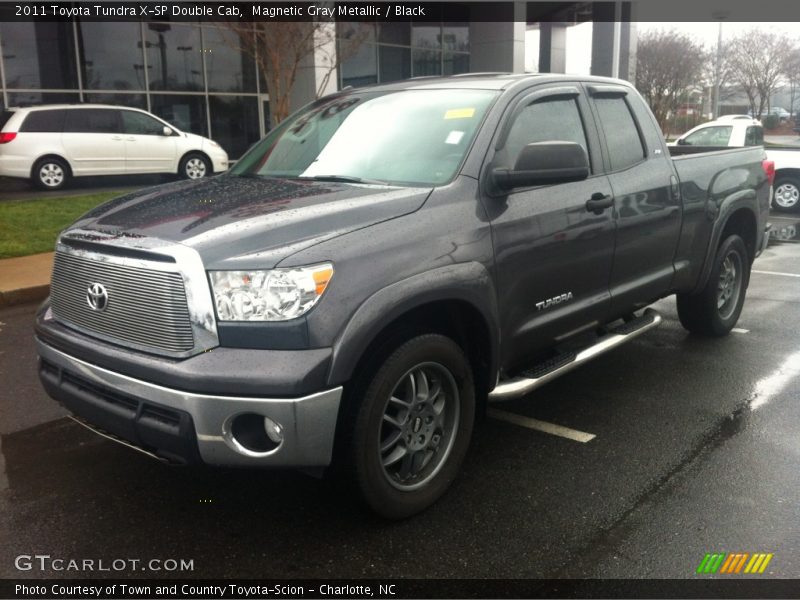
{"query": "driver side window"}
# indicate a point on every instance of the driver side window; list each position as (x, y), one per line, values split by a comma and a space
(553, 120)
(137, 123)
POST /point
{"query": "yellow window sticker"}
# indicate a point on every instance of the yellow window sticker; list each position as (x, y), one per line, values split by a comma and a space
(460, 113)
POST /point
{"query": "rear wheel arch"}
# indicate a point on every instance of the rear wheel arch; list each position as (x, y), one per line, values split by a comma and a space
(740, 220)
(57, 159)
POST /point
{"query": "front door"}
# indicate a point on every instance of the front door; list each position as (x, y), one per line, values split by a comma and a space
(553, 255)
(148, 150)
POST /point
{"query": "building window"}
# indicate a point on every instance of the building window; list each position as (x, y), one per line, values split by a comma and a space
(119, 99)
(34, 98)
(227, 69)
(39, 55)
(395, 63)
(234, 122)
(186, 112)
(405, 50)
(174, 57)
(111, 56)
(361, 68)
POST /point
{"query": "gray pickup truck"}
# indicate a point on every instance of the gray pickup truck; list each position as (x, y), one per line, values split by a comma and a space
(384, 263)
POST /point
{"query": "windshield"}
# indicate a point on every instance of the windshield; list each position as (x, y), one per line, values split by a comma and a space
(408, 137)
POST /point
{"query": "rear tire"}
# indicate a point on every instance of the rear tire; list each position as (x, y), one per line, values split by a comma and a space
(715, 310)
(194, 166)
(786, 194)
(50, 174)
(412, 420)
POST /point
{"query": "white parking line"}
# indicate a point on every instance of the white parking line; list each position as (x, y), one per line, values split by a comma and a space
(776, 273)
(740, 330)
(543, 426)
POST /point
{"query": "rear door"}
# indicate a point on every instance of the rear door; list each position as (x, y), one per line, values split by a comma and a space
(553, 256)
(93, 141)
(147, 149)
(647, 198)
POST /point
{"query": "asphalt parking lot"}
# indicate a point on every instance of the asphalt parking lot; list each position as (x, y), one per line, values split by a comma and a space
(693, 449)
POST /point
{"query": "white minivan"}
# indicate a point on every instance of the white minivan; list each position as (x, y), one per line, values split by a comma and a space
(49, 144)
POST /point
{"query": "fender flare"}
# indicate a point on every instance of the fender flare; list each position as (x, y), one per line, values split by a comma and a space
(465, 282)
(743, 199)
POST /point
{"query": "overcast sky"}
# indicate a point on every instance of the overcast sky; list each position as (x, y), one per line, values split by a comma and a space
(579, 39)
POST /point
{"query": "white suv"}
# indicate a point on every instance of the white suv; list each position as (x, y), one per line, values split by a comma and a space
(49, 144)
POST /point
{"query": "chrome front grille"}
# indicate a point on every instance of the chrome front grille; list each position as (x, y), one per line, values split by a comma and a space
(146, 308)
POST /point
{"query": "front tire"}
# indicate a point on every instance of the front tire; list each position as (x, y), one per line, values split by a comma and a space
(786, 194)
(50, 174)
(413, 423)
(715, 310)
(194, 166)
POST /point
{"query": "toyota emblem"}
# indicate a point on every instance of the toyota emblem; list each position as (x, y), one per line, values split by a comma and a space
(97, 297)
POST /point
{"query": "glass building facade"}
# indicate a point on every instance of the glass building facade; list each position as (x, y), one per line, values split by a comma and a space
(192, 75)
(391, 51)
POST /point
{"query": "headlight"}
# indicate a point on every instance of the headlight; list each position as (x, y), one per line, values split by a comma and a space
(276, 295)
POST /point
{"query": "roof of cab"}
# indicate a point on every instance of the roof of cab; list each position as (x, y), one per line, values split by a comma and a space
(68, 106)
(486, 81)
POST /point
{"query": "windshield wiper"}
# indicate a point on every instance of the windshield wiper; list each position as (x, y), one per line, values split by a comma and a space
(346, 179)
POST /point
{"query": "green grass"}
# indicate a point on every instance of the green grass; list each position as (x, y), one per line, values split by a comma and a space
(31, 226)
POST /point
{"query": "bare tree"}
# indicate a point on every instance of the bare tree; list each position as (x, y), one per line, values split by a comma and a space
(727, 88)
(792, 73)
(758, 61)
(668, 65)
(282, 49)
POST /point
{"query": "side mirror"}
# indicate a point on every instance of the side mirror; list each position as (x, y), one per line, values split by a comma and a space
(681, 142)
(166, 131)
(544, 163)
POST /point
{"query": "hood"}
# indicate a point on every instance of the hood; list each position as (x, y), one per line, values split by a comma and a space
(237, 222)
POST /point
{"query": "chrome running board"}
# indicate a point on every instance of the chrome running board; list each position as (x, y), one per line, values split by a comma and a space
(538, 375)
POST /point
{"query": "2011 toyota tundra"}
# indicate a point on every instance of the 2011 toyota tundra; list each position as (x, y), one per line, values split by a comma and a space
(385, 262)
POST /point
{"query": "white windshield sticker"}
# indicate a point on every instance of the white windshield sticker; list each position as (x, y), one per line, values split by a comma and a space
(454, 137)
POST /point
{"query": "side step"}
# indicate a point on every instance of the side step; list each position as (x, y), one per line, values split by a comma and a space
(542, 373)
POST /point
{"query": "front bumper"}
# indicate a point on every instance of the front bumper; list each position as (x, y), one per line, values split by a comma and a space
(189, 427)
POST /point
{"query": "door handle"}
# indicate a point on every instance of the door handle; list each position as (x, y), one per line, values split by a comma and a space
(116, 138)
(131, 139)
(599, 202)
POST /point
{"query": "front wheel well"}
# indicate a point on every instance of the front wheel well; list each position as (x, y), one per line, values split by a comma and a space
(198, 153)
(456, 319)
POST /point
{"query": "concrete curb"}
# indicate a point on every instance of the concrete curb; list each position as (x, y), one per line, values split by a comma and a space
(25, 278)
(23, 295)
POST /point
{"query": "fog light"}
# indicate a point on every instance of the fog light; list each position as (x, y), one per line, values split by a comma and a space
(274, 430)
(252, 434)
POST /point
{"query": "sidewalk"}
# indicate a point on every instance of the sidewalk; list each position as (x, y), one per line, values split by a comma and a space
(25, 279)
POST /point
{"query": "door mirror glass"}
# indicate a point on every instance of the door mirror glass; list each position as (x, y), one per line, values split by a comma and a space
(545, 163)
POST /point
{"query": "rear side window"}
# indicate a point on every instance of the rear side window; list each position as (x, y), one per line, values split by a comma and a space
(545, 121)
(4, 117)
(710, 136)
(92, 120)
(44, 121)
(622, 136)
(754, 136)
